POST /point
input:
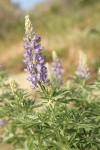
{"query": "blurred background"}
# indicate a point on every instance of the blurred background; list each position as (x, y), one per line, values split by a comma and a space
(66, 26)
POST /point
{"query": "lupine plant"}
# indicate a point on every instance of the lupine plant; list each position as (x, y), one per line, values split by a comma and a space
(56, 67)
(63, 117)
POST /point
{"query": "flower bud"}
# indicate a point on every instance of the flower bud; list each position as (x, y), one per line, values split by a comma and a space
(13, 86)
(54, 55)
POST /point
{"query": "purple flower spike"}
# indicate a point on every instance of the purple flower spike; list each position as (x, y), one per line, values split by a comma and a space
(56, 67)
(33, 57)
(83, 70)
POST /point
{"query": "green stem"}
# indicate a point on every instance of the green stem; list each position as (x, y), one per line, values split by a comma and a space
(83, 83)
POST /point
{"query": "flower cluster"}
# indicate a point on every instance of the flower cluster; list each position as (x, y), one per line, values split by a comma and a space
(83, 69)
(34, 59)
(56, 67)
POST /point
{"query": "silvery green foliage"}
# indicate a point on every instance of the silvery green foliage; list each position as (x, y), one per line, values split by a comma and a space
(65, 118)
(5, 92)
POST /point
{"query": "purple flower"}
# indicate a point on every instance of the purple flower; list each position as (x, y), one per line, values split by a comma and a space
(34, 59)
(56, 67)
(83, 71)
(3, 122)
